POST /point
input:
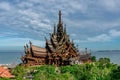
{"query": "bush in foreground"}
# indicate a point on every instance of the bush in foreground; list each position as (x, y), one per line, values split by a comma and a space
(101, 70)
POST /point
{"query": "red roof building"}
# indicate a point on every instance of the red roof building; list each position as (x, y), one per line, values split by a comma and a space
(5, 73)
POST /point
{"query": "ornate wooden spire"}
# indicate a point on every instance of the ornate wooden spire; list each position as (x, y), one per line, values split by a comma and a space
(30, 42)
(54, 30)
(60, 19)
(59, 28)
(65, 29)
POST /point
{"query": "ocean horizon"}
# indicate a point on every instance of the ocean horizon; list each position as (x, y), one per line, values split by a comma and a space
(11, 56)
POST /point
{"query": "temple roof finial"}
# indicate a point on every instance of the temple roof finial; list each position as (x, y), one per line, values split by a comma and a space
(54, 29)
(65, 29)
(30, 42)
(60, 17)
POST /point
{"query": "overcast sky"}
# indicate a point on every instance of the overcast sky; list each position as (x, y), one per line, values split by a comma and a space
(94, 24)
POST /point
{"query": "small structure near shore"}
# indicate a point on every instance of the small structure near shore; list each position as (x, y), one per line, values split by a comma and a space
(59, 50)
(5, 73)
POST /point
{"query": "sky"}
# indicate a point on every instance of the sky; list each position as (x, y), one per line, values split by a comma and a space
(94, 24)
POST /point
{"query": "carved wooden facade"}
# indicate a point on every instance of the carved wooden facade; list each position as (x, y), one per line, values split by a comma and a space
(59, 48)
(58, 51)
(34, 55)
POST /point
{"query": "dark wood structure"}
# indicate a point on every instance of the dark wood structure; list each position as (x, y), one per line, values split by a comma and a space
(58, 51)
(34, 55)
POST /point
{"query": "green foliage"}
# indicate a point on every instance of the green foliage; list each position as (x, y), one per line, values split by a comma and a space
(4, 79)
(90, 71)
(101, 70)
(48, 72)
(93, 58)
(104, 60)
(44, 72)
(19, 72)
(116, 73)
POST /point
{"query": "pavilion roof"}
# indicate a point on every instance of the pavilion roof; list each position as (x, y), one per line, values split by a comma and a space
(38, 49)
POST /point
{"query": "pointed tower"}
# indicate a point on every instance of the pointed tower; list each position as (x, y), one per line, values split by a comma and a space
(59, 48)
(65, 29)
(60, 19)
(60, 27)
(54, 30)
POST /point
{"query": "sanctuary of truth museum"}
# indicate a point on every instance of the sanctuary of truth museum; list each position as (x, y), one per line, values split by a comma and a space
(59, 50)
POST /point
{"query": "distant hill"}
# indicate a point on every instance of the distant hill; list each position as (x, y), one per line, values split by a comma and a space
(108, 51)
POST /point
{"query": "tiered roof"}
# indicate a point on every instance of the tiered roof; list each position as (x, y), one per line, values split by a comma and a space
(59, 40)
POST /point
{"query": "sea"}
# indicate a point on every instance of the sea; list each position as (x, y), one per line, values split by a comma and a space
(114, 56)
(9, 57)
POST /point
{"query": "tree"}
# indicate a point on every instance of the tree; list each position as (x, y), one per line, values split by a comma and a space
(19, 72)
(93, 58)
(116, 74)
(104, 62)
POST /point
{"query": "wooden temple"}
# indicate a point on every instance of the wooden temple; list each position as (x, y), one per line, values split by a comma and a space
(59, 50)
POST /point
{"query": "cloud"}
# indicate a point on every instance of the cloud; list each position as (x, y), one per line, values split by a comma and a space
(5, 6)
(88, 20)
(99, 38)
(5, 34)
(114, 33)
(74, 35)
(111, 5)
(35, 19)
(20, 42)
